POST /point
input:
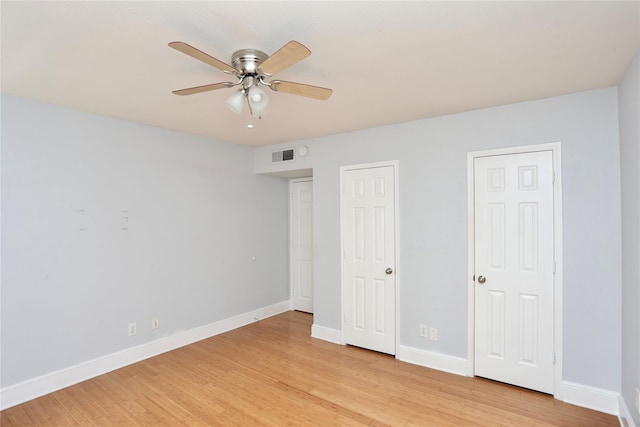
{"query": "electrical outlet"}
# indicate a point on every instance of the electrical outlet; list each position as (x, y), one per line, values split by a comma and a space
(433, 334)
(132, 329)
(155, 323)
(424, 330)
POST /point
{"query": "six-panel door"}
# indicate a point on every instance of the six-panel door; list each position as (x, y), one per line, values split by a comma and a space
(302, 245)
(368, 230)
(514, 267)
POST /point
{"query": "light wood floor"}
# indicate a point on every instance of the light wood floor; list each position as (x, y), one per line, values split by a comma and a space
(272, 373)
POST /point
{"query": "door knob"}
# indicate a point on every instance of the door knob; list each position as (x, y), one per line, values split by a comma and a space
(481, 279)
(388, 271)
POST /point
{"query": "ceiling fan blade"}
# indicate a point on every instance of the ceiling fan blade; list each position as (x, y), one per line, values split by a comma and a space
(285, 57)
(201, 56)
(205, 88)
(309, 91)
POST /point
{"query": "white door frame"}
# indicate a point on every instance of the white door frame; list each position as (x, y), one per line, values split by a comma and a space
(291, 182)
(397, 272)
(554, 147)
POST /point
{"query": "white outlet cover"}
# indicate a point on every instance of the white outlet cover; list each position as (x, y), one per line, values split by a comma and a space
(424, 330)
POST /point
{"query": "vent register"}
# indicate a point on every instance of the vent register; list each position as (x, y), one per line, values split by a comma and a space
(282, 156)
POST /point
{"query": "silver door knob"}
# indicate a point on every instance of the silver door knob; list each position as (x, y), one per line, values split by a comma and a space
(481, 279)
(388, 271)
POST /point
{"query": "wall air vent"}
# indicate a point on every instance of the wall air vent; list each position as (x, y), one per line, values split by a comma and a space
(282, 156)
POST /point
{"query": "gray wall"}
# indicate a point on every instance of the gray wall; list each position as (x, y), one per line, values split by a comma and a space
(629, 101)
(432, 158)
(72, 281)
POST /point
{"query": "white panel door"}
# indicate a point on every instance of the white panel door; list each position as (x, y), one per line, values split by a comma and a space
(301, 218)
(514, 267)
(369, 280)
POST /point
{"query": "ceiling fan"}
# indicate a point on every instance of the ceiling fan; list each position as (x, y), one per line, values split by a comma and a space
(252, 67)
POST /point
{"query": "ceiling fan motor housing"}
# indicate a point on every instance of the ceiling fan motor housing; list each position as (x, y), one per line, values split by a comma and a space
(247, 61)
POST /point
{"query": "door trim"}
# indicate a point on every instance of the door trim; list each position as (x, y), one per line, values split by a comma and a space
(398, 271)
(291, 182)
(554, 147)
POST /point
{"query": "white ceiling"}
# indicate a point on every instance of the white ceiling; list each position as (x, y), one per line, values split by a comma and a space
(387, 62)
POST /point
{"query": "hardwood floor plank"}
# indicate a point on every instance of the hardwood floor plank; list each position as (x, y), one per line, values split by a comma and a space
(17, 418)
(272, 373)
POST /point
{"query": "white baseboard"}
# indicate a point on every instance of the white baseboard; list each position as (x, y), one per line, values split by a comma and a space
(430, 359)
(326, 334)
(598, 399)
(624, 415)
(45, 384)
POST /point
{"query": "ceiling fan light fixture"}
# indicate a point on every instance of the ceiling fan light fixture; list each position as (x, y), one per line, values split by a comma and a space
(258, 113)
(258, 99)
(236, 102)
